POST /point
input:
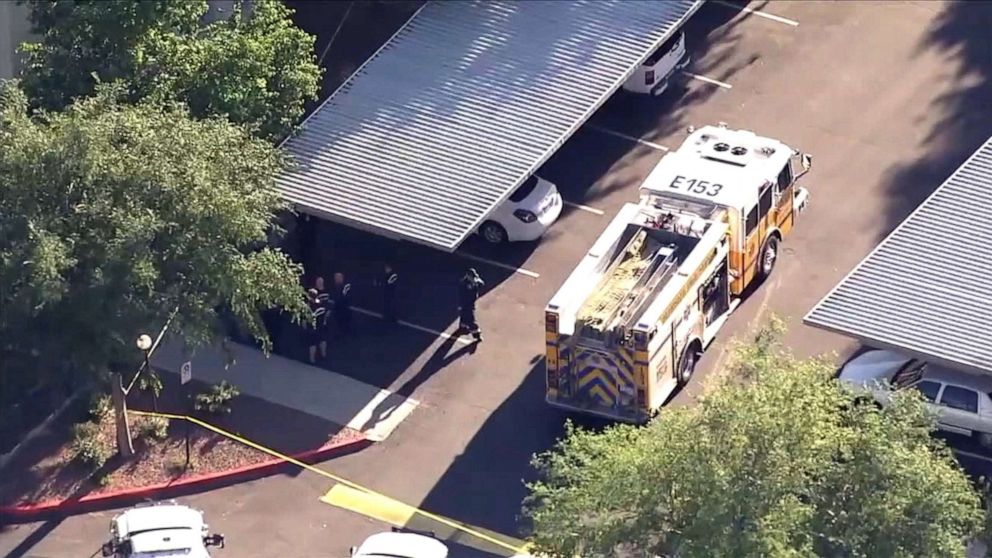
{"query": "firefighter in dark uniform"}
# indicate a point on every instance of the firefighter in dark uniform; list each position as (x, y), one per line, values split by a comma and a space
(342, 304)
(468, 294)
(388, 282)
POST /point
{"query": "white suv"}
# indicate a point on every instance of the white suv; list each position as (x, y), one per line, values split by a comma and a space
(401, 543)
(652, 77)
(961, 401)
(160, 530)
(528, 212)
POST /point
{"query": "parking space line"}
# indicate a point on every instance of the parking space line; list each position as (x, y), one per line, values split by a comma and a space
(592, 210)
(710, 81)
(405, 323)
(758, 13)
(627, 137)
(507, 267)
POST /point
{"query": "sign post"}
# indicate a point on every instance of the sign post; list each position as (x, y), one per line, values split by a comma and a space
(185, 375)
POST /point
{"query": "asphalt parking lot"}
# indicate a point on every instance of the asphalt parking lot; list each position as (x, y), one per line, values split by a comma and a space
(889, 99)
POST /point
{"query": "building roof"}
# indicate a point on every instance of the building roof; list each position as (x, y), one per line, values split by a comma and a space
(460, 106)
(925, 289)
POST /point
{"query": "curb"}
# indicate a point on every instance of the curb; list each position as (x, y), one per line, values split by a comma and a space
(95, 502)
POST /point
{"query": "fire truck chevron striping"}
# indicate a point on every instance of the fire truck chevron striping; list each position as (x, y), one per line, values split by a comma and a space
(628, 325)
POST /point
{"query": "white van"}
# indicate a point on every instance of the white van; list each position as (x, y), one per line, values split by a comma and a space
(652, 77)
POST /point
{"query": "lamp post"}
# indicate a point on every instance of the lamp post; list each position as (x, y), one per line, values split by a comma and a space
(144, 343)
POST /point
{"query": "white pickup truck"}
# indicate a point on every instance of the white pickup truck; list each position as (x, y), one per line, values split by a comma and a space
(160, 530)
(653, 76)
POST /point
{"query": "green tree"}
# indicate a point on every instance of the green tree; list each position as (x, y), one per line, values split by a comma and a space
(115, 216)
(784, 463)
(256, 68)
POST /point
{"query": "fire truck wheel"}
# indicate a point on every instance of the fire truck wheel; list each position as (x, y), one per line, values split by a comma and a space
(769, 255)
(687, 364)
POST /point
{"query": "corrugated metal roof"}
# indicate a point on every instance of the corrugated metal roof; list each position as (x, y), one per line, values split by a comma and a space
(926, 288)
(463, 104)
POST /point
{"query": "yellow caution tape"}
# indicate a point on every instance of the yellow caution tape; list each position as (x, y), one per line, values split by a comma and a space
(341, 480)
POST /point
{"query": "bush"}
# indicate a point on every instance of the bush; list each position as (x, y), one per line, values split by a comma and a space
(100, 406)
(150, 381)
(216, 400)
(154, 428)
(88, 447)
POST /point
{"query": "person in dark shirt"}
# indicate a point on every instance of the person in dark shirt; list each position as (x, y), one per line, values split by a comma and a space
(388, 281)
(342, 304)
(317, 333)
(468, 294)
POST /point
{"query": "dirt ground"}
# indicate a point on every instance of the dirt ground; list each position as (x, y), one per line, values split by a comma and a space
(46, 470)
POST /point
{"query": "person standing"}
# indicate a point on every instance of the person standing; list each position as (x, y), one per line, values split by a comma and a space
(468, 294)
(342, 304)
(387, 281)
(317, 333)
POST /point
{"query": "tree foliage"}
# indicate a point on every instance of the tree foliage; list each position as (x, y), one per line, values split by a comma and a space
(258, 69)
(785, 463)
(115, 216)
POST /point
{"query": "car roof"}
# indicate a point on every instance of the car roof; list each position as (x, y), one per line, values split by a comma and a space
(948, 376)
(404, 545)
(181, 542)
(158, 516)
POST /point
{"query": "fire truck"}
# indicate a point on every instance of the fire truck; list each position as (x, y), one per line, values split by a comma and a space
(629, 324)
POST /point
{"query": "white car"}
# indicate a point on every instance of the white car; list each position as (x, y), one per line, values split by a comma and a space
(528, 212)
(653, 76)
(401, 543)
(161, 530)
(961, 401)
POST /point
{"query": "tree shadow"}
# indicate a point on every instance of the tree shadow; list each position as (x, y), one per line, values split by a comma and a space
(711, 36)
(962, 121)
(485, 484)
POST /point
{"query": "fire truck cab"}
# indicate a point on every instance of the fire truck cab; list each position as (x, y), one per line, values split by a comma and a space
(753, 177)
(628, 325)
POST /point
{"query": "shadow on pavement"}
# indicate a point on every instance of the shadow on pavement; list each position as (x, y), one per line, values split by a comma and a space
(710, 32)
(376, 352)
(961, 34)
(37, 536)
(711, 36)
(485, 485)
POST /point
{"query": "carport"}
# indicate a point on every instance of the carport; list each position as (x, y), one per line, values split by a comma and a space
(462, 105)
(924, 291)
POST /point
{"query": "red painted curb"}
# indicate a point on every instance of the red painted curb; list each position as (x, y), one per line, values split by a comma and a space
(103, 500)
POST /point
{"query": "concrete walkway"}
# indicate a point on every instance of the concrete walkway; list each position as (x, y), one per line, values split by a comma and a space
(339, 399)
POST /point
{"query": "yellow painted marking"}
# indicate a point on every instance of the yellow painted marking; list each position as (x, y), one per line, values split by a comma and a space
(370, 505)
(399, 514)
(516, 548)
(599, 393)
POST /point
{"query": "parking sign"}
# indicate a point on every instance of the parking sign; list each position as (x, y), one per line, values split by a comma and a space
(186, 372)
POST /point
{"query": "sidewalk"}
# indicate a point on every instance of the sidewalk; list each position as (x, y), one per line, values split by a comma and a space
(339, 399)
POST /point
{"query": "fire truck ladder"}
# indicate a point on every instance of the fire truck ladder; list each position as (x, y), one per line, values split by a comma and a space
(642, 266)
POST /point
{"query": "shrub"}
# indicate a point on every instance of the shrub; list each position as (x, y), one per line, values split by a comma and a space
(150, 381)
(88, 447)
(100, 406)
(155, 428)
(217, 399)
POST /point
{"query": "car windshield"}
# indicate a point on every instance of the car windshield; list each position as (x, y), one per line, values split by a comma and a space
(524, 190)
(908, 374)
